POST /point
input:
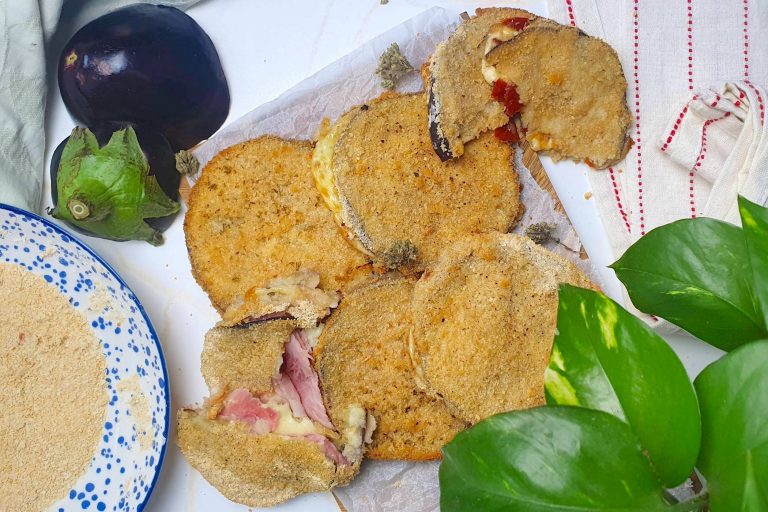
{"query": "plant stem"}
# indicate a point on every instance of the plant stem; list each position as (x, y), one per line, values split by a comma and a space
(671, 499)
(696, 503)
(696, 480)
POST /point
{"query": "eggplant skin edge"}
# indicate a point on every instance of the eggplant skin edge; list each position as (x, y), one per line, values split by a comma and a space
(149, 65)
(439, 142)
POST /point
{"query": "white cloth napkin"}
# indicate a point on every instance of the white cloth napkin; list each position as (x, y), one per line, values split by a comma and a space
(669, 51)
(29, 29)
(720, 134)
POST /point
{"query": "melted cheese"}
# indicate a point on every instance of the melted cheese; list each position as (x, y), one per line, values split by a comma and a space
(290, 294)
(354, 433)
(322, 169)
(289, 425)
(498, 34)
(313, 334)
(540, 141)
(325, 180)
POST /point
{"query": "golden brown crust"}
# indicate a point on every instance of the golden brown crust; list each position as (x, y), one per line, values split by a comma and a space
(573, 93)
(255, 215)
(461, 104)
(244, 357)
(255, 470)
(397, 190)
(362, 359)
(484, 320)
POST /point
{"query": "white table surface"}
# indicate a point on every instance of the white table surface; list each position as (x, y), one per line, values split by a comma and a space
(266, 46)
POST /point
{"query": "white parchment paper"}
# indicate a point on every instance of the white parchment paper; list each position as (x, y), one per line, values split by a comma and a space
(297, 114)
(351, 80)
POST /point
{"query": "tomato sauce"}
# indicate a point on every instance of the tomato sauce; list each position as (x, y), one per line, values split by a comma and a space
(518, 23)
(507, 133)
(506, 94)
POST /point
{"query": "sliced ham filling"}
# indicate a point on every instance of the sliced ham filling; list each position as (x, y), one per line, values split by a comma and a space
(297, 362)
(240, 405)
(298, 385)
(329, 448)
(285, 389)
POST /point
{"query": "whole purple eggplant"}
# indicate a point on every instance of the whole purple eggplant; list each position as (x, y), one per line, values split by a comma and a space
(149, 65)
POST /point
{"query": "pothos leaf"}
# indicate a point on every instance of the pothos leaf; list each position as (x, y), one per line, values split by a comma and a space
(605, 358)
(548, 459)
(754, 222)
(733, 393)
(696, 274)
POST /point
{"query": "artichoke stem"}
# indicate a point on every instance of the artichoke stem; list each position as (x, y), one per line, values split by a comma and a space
(79, 209)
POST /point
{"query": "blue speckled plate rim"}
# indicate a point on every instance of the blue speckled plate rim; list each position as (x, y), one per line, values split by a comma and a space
(140, 307)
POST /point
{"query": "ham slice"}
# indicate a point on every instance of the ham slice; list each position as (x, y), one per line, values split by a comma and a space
(298, 385)
(285, 389)
(240, 405)
(329, 448)
(297, 362)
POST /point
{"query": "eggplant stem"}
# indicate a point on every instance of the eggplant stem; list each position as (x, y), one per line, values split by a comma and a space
(79, 209)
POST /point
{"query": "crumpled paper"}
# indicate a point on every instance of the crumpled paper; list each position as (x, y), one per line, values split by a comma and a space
(297, 114)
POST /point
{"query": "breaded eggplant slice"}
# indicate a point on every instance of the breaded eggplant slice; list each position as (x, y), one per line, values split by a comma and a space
(255, 216)
(296, 297)
(484, 321)
(404, 205)
(255, 470)
(322, 169)
(264, 436)
(362, 357)
(573, 93)
(460, 103)
(244, 357)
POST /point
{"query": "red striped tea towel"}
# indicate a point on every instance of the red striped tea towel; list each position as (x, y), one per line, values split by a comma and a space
(669, 50)
(720, 134)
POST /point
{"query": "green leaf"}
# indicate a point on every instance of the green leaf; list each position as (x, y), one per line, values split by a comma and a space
(605, 358)
(733, 393)
(754, 222)
(124, 145)
(696, 274)
(546, 459)
(82, 142)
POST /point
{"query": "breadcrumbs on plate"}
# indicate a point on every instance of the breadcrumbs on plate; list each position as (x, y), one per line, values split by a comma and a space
(138, 406)
(53, 394)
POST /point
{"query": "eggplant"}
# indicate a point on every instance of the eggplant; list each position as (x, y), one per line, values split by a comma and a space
(159, 155)
(119, 183)
(440, 143)
(149, 65)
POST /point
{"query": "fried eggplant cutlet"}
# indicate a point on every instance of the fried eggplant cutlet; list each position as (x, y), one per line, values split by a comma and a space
(484, 321)
(255, 217)
(399, 201)
(571, 91)
(362, 358)
(460, 103)
(264, 435)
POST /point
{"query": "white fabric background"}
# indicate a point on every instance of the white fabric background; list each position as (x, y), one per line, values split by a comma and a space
(670, 50)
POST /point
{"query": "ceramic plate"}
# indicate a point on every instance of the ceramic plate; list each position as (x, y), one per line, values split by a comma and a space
(130, 453)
